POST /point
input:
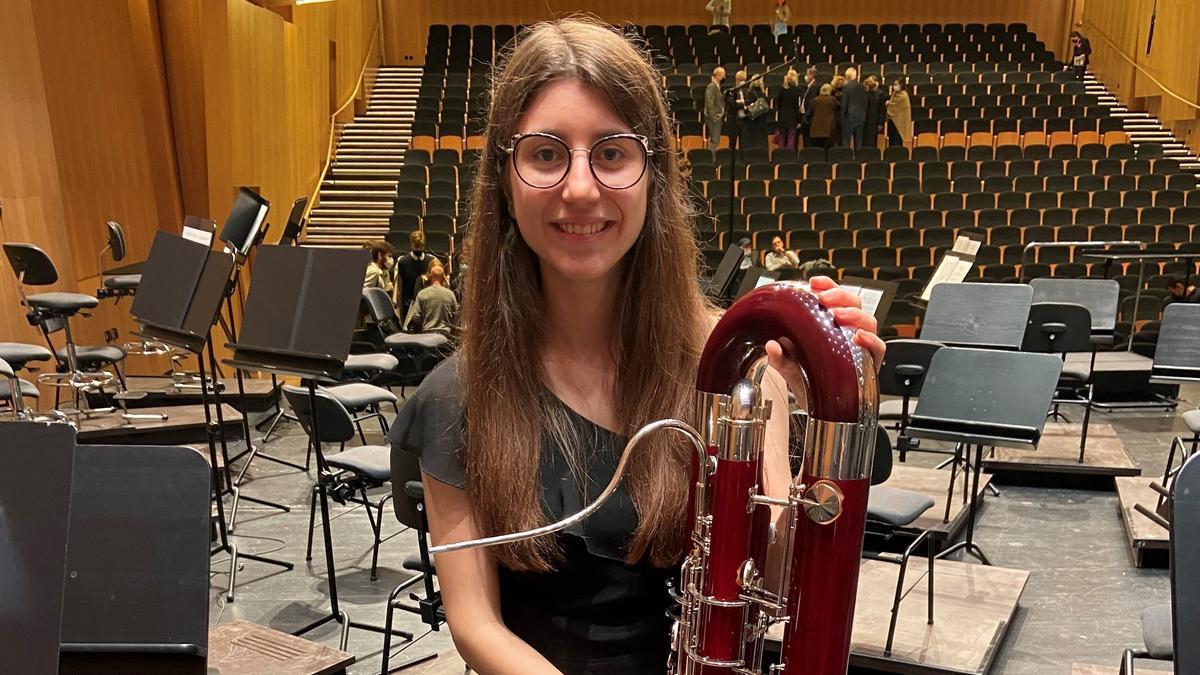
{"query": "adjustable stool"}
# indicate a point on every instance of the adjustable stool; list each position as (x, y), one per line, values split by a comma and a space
(52, 312)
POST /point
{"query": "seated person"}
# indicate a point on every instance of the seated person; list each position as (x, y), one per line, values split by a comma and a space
(747, 254)
(779, 258)
(1180, 292)
(434, 308)
(379, 271)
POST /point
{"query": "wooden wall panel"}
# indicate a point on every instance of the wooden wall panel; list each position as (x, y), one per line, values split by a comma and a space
(1119, 30)
(406, 22)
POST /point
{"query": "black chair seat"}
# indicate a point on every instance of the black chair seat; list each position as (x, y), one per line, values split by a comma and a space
(416, 340)
(28, 390)
(372, 461)
(1192, 419)
(123, 282)
(896, 507)
(368, 363)
(93, 355)
(358, 395)
(66, 302)
(413, 563)
(1156, 631)
(17, 354)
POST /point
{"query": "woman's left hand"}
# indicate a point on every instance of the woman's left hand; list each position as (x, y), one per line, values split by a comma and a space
(847, 311)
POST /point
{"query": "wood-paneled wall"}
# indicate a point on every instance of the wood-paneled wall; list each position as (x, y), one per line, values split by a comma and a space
(143, 110)
(406, 22)
(251, 99)
(84, 138)
(1119, 31)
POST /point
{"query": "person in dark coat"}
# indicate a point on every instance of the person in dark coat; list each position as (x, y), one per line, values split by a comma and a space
(754, 129)
(876, 112)
(854, 109)
(1081, 54)
(735, 109)
(787, 111)
(824, 115)
(811, 91)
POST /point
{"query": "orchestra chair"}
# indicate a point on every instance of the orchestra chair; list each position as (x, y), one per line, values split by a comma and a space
(408, 503)
(15, 357)
(350, 472)
(890, 512)
(1168, 629)
(80, 368)
(902, 374)
(1061, 328)
(418, 353)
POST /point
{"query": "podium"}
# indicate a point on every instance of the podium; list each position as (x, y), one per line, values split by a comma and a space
(979, 397)
(299, 320)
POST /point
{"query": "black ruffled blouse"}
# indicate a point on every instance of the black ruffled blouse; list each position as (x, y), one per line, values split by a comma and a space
(595, 614)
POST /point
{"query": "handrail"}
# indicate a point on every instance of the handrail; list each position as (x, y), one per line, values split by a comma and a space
(1166, 90)
(312, 198)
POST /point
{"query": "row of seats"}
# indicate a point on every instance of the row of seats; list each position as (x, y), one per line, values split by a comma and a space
(462, 47)
(935, 234)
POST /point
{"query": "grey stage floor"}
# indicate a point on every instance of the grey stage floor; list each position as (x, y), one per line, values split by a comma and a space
(1082, 604)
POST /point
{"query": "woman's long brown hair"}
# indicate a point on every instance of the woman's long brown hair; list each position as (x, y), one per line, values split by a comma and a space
(660, 316)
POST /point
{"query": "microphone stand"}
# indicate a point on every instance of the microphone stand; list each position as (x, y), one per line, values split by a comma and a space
(734, 144)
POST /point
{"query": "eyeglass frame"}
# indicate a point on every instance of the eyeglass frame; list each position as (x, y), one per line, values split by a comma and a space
(648, 152)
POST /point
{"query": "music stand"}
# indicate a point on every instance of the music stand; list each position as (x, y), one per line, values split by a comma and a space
(1008, 408)
(34, 516)
(246, 217)
(755, 277)
(185, 283)
(139, 534)
(295, 223)
(721, 283)
(299, 320)
(989, 316)
(1099, 296)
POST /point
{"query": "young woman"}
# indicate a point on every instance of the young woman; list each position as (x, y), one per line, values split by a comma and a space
(582, 321)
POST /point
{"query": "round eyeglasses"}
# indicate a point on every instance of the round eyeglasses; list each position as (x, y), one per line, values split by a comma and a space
(543, 160)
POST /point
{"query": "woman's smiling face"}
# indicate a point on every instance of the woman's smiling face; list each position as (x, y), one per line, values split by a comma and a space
(579, 229)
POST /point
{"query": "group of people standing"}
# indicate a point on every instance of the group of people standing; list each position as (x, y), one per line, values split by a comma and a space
(417, 283)
(844, 111)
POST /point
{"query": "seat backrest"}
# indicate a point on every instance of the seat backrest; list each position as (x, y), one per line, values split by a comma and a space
(337, 426)
(31, 264)
(406, 467)
(1076, 337)
(116, 240)
(1185, 564)
(881, 468)
(910, 353)
(380, 307)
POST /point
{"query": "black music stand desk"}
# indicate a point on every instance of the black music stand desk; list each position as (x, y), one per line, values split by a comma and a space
(990, 316)
(185, 283)
(980, 397)
(35, 499)
(137, 586)
(299, 320)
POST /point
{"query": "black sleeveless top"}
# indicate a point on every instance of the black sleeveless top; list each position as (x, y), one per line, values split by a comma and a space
(595, 614)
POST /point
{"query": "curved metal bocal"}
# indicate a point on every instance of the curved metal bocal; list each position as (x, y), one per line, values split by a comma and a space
(810, 337)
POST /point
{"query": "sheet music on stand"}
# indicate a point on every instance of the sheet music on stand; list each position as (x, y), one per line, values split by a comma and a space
(955, 265)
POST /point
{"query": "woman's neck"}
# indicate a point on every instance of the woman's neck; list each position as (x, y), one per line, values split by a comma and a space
(580, 316)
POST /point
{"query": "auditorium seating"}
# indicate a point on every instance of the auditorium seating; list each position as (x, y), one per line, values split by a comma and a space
(1008, 148)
